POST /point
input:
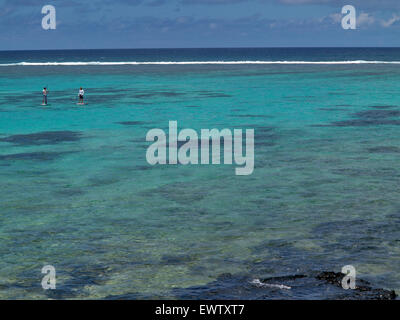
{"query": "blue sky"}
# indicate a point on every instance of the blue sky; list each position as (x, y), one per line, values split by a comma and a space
(197, 23)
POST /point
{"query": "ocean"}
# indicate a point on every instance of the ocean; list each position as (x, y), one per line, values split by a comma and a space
(79, 195)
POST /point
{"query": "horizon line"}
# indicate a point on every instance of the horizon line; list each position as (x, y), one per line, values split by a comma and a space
(196, 48)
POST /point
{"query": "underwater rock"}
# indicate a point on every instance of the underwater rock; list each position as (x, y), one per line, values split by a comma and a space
(319, 286)
(363, 289)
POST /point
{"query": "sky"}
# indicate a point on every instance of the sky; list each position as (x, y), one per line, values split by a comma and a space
(90, 24)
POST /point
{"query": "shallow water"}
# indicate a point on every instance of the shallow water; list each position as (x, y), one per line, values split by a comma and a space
(77, 192)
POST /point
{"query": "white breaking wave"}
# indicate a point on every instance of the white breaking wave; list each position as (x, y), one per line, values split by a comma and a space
(258, 283)
(134, 63)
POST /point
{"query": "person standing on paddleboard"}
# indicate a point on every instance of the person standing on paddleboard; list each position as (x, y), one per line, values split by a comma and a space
(81, 93)
(44, 96)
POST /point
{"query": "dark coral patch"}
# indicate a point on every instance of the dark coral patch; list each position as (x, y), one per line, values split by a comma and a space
(176, 259)
(43, 138)
(36, 156)
(360, 123)
(132, 123)
(382, 107)
(384, 149)
(331, 109)
(215, 95)
(157, 94)
(250, 116)
(377, 114)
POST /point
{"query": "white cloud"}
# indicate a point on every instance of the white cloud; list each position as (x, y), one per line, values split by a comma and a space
(336, 17)
(365, 19)
(388, 23)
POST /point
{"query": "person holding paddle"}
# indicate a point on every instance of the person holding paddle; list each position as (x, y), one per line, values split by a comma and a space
(81, 93)
(44, 96)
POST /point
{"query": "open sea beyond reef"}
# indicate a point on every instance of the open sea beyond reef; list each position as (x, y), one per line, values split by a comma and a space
(77, 192)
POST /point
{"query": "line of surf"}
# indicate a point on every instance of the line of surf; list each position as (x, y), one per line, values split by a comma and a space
(105, 63)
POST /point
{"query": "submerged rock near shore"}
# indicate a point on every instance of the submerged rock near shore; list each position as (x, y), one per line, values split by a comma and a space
(363, 289)
(325, 285)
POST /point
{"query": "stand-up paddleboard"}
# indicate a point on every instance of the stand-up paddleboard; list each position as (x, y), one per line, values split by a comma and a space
(81, 104)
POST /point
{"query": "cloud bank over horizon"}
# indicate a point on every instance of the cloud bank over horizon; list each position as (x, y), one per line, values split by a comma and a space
(197, 23)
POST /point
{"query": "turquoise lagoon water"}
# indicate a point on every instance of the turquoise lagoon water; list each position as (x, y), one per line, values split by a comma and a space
(78, 194)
